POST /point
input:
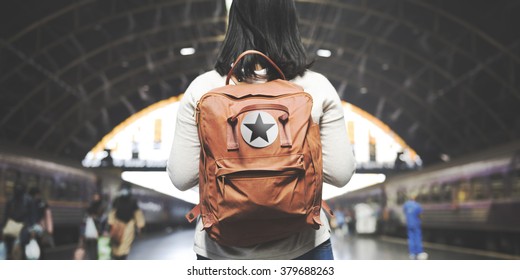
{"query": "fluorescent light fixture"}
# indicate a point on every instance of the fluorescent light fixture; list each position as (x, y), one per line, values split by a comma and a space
(324, 53)
(357, 182)
(187, 51)
(160, 182)
(228, 4)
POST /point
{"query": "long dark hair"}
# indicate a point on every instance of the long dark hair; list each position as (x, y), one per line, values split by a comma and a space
(269, 26)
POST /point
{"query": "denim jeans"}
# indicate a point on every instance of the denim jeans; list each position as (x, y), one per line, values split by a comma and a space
(321, 252)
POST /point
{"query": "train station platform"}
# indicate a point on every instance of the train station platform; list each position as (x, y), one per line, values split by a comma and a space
(177, 245)
(170, 253)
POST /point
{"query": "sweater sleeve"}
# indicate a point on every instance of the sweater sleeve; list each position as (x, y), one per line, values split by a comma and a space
(183, 162)
(338, 159)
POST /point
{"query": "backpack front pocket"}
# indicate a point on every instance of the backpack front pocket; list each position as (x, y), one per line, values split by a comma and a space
(276, 192)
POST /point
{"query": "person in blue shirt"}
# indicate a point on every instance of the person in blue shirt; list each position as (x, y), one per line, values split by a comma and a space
(340, 221)
(413, 210)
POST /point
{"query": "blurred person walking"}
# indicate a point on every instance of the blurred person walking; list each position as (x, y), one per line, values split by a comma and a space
(93, 227)
(341, 228)
(125, 220)
(44, 226)
(19, 217)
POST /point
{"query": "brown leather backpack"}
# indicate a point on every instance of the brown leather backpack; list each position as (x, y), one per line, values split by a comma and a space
(261, 164)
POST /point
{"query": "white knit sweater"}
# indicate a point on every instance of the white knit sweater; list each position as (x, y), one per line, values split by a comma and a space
(338, 163)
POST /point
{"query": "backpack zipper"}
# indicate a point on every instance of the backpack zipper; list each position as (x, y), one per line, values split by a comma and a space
(263, 174)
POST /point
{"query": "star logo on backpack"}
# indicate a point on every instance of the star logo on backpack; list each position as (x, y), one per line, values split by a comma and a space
(259, 129)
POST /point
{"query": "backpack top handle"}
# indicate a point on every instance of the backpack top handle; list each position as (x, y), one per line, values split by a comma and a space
(253, 52)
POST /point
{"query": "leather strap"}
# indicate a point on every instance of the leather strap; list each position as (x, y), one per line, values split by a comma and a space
(285, 135)
(193, 214)
(232, 142)
(326, 207)
(230, 73)
(207, 220)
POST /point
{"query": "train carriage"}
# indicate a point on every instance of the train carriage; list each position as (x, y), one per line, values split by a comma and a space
(472, 201)
(68, 188)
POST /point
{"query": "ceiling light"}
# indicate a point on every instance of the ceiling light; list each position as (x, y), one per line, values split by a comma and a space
(187, 51)
(445, 157)
(324, 53)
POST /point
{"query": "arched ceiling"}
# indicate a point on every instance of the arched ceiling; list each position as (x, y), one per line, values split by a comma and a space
(443, 74)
